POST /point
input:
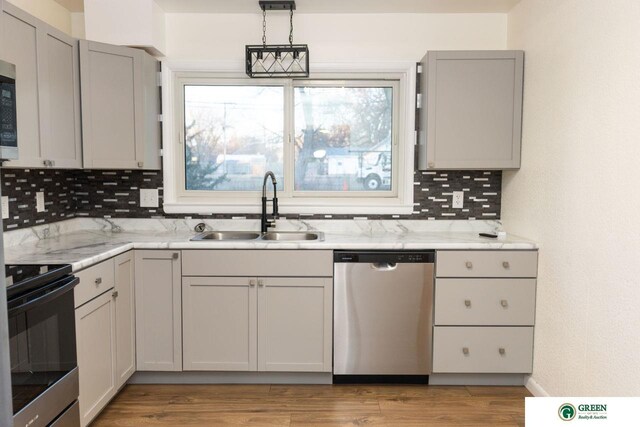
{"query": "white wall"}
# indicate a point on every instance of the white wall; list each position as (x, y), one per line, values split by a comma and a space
(77, 25)
(333, 37)
(577, 192)
(125, 22)
(48, 11)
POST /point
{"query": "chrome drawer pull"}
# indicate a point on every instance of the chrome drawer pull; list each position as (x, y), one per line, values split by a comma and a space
(504, 303)
(175, 255)
(505, 264)
(260, 282)
(115, 294)
(98, 281)
(252, 283)
(467, 303)
(465, 351)
(469, 265)
(502, 351)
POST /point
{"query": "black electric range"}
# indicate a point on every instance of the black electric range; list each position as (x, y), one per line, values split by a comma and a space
(42, 341)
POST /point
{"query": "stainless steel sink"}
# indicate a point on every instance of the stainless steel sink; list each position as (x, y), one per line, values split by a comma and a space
(293, 235)
(227, 235)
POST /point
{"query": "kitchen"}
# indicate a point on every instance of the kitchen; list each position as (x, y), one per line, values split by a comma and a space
(143, 148)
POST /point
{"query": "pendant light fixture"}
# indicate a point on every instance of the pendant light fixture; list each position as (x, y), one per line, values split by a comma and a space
(272, 60)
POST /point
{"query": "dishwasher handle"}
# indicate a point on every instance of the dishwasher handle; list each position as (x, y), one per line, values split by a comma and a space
(384, 266)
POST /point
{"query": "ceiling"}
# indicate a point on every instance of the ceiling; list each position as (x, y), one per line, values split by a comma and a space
(329, 6)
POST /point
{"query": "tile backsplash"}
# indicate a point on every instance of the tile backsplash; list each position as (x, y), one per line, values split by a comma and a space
(116, 194)
(21, 186)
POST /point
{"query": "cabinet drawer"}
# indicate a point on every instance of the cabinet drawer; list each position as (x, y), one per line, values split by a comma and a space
(482, 349)
(485, 302)
(94, 281)
(486, 264)
(300, 263)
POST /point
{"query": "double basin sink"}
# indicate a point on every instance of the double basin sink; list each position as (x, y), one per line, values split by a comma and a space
(286, 236)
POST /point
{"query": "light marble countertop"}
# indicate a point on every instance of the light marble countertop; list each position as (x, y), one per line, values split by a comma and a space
(83, 242)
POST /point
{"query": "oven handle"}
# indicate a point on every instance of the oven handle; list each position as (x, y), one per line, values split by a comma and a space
(44, 298)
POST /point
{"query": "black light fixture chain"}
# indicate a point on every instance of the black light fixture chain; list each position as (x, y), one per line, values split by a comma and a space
(264, 27)
(291, 26)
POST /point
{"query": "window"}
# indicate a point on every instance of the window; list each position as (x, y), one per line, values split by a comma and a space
(233, 135)
(343, 137)
(331, 142)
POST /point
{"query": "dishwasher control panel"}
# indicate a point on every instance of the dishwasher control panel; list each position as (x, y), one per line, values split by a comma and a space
(397, 257)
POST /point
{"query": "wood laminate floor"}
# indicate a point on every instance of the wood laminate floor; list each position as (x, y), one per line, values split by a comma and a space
(314, 405)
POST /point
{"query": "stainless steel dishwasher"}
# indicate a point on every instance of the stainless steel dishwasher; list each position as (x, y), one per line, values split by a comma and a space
(383, 304)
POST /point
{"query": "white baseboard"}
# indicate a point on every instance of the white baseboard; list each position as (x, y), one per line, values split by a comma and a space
(535, 388)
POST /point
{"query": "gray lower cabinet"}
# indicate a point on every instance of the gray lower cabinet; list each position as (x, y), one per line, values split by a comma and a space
(247, 319)
(471, 113)
(158, 308)
(484, 312)
(96, 347)
(120, 107)
(48, 87)
(220, 323)
(295, 324)
(105, 332)
(125, 317)
(500, 350)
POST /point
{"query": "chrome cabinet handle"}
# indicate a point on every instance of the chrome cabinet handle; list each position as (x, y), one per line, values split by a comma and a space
(465, 351)
(98, 281)
(504, 303)
(260, 282)
(505, 264)
(175, 255)
(502, 351)
(469, 265)
(467, 303)
(252, 283)
(115, 294)
(140, 164)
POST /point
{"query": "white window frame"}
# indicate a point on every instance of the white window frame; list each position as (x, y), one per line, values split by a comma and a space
(179, 200)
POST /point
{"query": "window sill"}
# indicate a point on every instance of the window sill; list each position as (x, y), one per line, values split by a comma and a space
(320, 208)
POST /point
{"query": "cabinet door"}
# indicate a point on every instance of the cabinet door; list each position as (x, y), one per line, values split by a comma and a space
(473, 110)
(125, 318)
(158, 311)
(295, 324)
(61, 100)
(219, 323)
(111, 90)
(20, 39)
(96, 344)
(148, 147)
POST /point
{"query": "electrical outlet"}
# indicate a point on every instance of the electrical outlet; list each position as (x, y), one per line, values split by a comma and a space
(5, 207)
(458, 200)
(40, 201)
(149, 198)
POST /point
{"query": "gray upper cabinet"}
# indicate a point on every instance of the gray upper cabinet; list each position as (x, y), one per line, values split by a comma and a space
(471, 114)
(120, 107)
(61, 101)
(48, 89)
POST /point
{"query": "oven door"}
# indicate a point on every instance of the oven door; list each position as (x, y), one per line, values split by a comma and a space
(42, 343)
